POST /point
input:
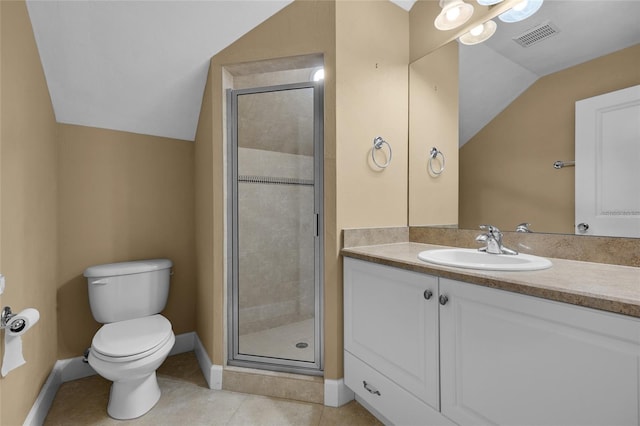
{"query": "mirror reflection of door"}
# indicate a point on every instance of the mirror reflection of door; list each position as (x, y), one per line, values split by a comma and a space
(608, 164)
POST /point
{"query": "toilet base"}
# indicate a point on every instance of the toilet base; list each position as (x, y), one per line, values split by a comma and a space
(133, 398)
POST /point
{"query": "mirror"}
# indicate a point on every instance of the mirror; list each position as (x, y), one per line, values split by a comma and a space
(517, 114)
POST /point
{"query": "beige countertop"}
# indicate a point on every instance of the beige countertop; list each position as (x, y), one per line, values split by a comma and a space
(601, 286)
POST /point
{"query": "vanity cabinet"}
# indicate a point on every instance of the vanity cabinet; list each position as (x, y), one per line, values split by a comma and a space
(484, 356)
(391, 340)
(508, 358)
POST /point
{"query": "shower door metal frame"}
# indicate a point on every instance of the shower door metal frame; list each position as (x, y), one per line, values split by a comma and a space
(233, 355)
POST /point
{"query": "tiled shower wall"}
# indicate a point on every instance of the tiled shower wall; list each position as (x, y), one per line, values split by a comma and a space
(276, 241)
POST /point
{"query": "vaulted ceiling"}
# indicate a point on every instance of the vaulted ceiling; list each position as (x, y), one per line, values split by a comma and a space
(141, 66)
(136, 66)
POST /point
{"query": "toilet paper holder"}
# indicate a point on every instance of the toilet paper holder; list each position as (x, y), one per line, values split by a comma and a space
(5, 320)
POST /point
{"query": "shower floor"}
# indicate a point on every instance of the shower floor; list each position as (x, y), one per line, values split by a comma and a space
(280, 342)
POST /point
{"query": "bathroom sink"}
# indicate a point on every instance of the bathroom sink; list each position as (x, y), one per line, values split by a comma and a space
(474, 259)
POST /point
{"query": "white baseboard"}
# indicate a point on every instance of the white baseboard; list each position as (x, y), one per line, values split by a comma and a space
(66, 370)
(212, 373)
(74, 369)
(43, 402)
(336, 393)
(185, 342)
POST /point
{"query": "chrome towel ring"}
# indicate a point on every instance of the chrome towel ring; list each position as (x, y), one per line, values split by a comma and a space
(377, 144)
(432, 155)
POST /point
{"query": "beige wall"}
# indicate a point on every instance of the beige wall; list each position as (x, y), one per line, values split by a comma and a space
(74, 196)
(122, 196)
(206, 305)
(28, 159)
(369, 67)
(372, 55)
(433, 122)
(524, 141)
(371, 100)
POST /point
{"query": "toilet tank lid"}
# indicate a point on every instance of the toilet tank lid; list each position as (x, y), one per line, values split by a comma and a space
(127, 268)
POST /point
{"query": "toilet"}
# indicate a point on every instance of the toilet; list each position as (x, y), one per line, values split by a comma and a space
(135, 339)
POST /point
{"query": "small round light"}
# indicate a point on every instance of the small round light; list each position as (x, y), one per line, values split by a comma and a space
(318, 75)
(476, 31)
(521, 11)
(521, 5)
(479, 34)
(454, 14)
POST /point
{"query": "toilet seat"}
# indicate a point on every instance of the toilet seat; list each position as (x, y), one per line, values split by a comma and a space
(130, 340)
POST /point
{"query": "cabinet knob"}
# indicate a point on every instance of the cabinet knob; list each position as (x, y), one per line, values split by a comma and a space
(428, 294)
(443, 299)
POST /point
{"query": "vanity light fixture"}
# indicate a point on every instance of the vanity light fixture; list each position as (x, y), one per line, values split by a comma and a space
(521, 11)
(479, 33)
(454, 14)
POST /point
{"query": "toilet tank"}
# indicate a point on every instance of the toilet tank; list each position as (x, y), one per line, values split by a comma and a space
(128, 290)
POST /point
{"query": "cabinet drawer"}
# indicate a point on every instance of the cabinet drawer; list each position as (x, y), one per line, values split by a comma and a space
(389, 399)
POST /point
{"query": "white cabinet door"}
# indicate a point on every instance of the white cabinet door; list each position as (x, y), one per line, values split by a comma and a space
(510, 359)
(391, 325)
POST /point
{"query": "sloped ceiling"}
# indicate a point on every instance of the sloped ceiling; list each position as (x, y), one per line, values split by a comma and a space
(136, 66)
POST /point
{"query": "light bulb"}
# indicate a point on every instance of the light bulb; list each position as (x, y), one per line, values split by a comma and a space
(453, 13)
(521, 5)
(476, 31)
(479, 33)
(318, 75)
(522, 10)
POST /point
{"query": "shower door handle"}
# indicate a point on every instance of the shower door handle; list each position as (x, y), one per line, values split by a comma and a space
(317, 224)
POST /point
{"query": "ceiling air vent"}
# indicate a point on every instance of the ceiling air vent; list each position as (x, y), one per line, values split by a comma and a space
(537, 34)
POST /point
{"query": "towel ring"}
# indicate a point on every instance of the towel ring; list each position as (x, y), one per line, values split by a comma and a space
(432, 155)
(377, 144)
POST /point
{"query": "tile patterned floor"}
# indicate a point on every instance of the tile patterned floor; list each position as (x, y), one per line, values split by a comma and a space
(186, 400)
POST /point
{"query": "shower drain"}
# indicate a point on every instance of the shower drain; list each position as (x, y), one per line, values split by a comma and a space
(301, 345)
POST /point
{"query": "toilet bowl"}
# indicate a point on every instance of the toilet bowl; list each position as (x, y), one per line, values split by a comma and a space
(127, 297)
(128, 353)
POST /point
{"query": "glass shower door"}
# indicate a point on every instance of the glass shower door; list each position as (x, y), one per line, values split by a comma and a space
(276, 176)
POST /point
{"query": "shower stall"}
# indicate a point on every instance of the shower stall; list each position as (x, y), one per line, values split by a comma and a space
(276, 245)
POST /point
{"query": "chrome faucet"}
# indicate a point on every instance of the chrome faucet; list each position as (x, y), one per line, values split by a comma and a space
(493, 239)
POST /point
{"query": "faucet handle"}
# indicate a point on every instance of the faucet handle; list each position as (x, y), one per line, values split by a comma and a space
(482, 238)
(492, 230)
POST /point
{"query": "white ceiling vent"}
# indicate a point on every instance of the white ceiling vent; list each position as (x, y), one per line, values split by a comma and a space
(537, 34)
